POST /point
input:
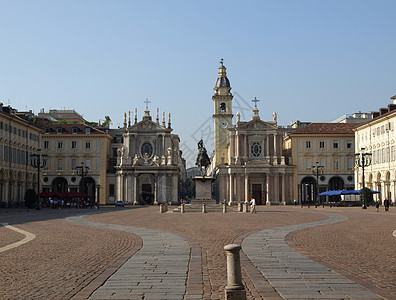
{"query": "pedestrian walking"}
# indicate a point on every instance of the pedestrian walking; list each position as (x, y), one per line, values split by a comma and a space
(295, 202)
(253, 206)
(386, 204)
(377, 205)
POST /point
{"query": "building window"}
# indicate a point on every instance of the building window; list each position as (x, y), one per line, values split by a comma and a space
(74, 144)
(147, 148)
(73, 163)
(87, 130)
(87, 145)
(60, 164)
(349, 144)
(74, 130)
(335, 145)
(46, 144)
(60, 145)
(59, 130)
(308, 144)
(336, 164)
(350, 163)
(256, 149)
(321, 144)
(111, 189)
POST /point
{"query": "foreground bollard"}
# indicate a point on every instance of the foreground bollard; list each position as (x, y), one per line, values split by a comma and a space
(239, 206)
(234, 289)
(224, 208)
(246, 207)
(204, 208)
(161, 208)
(182, 208)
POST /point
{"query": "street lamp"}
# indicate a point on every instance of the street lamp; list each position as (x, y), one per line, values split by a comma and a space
(82, 171)
(317, 170)
(362, 160)
(38, 161)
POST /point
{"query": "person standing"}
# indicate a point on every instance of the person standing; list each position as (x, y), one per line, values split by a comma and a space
(386, 204)
(253, 206)
(377, 205)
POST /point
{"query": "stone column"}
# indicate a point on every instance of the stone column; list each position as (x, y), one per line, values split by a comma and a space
(6, 194)
(246, 188)
(268, 177)
(155, 190)
(237, 158)
(246, 153)
(234, 289)
(283, 189)
(267, 146)
(231, 189)
(232, 150)
(275, 146)
(175, 189)
(129, 188)
(135, 190)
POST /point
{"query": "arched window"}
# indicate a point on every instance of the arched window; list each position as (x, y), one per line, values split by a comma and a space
(222, 107)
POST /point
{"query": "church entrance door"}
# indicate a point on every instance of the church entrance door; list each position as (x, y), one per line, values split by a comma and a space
(257, 193)
(147, 194)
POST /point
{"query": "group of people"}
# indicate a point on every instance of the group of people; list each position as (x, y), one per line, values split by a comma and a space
(386, 205)
(61, 203)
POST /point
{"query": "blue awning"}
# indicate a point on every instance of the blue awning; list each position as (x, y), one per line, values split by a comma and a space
(344, 192)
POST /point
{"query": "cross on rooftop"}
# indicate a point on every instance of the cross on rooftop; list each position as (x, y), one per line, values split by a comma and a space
(147, 102)
(255, 100)
(221, 61)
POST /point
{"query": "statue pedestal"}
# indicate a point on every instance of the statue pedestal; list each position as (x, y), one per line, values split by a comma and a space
(203, 189)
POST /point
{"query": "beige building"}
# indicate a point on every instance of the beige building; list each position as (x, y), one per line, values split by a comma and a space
(69, 146)
(378, 137)
(330, 145)
(18, 140)
(248, 161)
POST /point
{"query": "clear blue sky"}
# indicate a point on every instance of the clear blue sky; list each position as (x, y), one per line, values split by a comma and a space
(306, 60)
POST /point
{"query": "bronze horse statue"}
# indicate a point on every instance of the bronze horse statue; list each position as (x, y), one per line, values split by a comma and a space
(203, 158)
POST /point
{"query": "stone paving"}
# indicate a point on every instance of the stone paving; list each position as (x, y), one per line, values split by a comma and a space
(157, 271)
(293, 275)
(74, 261)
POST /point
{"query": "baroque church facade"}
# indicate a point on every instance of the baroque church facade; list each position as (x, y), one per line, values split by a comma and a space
(248, 160)
(149, 166)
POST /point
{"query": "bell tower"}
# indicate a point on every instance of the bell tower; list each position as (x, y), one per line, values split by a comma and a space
(222, 99)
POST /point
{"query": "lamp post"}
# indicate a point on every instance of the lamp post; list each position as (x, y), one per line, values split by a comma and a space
(363, 159)
(82, 171)
(317, 170)
(38, 161)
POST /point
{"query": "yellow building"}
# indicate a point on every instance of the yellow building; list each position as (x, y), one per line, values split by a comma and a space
(18, 140)
(378, 137)
(69, 146)
(327, 145)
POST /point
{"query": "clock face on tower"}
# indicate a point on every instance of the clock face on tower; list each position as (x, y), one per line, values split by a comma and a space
(223, 123)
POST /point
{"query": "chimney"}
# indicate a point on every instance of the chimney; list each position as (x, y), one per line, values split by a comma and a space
(383, 111)
(391, 107)
(375, 114)
(394, 99)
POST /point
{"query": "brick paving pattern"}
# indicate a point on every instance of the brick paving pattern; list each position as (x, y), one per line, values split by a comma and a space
(65, 258)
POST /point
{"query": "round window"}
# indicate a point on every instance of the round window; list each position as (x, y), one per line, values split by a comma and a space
(256, 149)
(147, 148)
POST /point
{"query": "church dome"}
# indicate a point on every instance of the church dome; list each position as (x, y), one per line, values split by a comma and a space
(222, 80)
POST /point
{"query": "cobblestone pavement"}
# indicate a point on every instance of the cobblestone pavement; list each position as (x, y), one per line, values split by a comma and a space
(65, 258)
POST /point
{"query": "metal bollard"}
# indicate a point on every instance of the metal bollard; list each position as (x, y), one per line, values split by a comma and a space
(182, 208)
(204, 208)
(234, 289)
(224, 208)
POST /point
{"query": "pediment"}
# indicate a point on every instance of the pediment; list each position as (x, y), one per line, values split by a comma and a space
(259, 124)
(148, 125)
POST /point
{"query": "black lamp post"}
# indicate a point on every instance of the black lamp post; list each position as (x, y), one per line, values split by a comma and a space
(38, 161)
(363, 159)
(82, 171)
(317, 170)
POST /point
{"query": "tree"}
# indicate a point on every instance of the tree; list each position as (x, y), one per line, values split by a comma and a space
(366, 196)
(30, 198)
